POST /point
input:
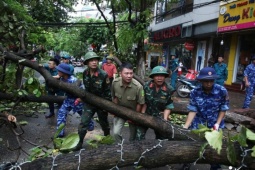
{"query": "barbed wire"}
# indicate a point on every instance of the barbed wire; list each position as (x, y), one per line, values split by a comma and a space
(202, 156)
(244, 154)
(79, 158)
(121, 155)
(53, 161)
(148, 150)
(17, 165)
(178, 129)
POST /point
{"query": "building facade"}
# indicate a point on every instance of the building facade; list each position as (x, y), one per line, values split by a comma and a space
(237, 24)
(187, 29)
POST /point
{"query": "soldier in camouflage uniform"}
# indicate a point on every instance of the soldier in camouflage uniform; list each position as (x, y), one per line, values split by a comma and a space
(158, 99)
(208, 104)
(65, 75)
(96, 81)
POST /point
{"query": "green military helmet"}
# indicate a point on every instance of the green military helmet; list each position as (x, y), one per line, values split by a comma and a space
(90, 55)
(109, 58)
(158, 70)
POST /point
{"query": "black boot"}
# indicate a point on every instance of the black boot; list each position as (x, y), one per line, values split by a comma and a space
(106, 132)
(79, 145)
(49, 115)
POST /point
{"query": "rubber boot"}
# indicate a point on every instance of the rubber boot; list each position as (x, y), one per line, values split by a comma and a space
(79, 145)
(106, 132)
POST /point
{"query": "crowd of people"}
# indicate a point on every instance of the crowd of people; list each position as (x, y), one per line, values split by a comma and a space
(208, 104)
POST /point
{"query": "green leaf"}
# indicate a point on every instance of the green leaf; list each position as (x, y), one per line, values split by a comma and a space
(231, 153)
(38, 94)
(10, 25)
(250, 135)
(214, 139)
(108, 140)
(23, 122)
(253, 151)
(202, 148)
(92, 143)
(242, 137)
(30, 80)
(70, 142)
(99, 137)
(201, 129)
(60, 128)
(20, 93)
(22, 60)
(35, 91)
(57, 142)
(25, 92)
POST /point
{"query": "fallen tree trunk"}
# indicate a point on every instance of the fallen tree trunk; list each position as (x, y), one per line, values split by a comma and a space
(156, 154)
(231, 116)
(180, 108)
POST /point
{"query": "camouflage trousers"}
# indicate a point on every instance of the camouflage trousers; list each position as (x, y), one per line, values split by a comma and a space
(87, 115)
(249, 95)
(65, 108)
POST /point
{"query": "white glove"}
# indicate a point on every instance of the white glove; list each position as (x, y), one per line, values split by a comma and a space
(216, 126)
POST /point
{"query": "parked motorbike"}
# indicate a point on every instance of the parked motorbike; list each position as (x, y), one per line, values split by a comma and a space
(187, 83)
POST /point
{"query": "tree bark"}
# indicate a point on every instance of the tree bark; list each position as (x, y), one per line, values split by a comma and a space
(230, 116)
(169, 152)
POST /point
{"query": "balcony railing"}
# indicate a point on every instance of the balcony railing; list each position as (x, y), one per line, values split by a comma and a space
(169, 10)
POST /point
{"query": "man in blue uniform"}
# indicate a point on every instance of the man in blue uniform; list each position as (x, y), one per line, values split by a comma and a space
(208, 103)
(221, 71)
(69, 103)
(249, 78)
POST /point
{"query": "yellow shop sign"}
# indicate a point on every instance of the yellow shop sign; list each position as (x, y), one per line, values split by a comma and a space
(237, 15)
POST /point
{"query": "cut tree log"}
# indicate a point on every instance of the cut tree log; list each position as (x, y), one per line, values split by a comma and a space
(154, 154)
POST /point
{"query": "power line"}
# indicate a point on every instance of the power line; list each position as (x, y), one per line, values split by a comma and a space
(70, 24)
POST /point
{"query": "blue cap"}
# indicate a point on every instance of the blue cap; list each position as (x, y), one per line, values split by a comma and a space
(64, 68)
(207, 73)
(66, 56)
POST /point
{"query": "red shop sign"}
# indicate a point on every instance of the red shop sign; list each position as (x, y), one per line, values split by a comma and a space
(189, 45)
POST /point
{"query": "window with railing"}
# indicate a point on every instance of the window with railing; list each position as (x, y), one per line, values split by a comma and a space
(168, 9)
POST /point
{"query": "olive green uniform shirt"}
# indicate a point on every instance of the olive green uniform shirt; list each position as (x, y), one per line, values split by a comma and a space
(128, 96)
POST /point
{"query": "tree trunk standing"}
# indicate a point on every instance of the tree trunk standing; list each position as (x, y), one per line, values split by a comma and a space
(140, 45)
(157, 154)
(140, 65)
